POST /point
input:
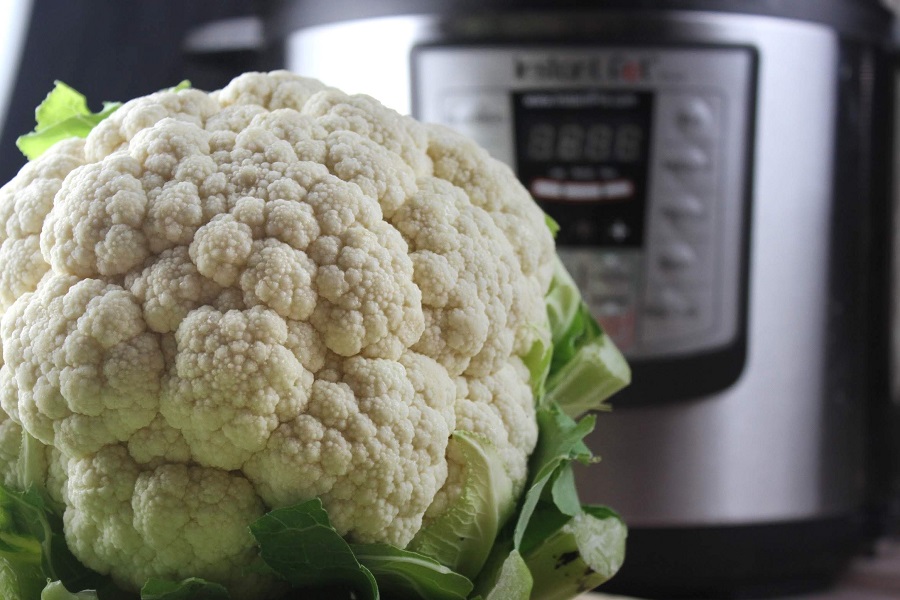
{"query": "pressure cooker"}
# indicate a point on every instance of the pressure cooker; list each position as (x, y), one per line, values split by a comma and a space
(719, 172)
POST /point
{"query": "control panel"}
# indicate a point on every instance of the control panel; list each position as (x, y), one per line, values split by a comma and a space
(640, 154)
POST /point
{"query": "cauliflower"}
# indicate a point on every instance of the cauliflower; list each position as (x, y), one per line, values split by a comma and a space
(219, 304)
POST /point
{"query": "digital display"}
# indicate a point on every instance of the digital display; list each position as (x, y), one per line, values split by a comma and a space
(579, 142)
(584, 156)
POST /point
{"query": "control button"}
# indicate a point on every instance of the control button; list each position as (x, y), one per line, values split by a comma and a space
(619, 231)
(602, 275)
(683, 206)
(677, 255)
(689, 158)
(613, 268)
(601, 291)
(695, 117)
(670, 303)
(611, 306)
(675, 316)
(609, 281)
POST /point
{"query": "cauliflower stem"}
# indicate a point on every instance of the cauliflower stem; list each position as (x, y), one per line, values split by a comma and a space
(277, 341)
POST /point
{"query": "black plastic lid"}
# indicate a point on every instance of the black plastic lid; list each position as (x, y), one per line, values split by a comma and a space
(858, 18)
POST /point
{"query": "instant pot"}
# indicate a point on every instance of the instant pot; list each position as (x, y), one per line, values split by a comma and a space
(718, 171)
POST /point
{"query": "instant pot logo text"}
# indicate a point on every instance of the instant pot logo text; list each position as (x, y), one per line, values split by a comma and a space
(608, 67)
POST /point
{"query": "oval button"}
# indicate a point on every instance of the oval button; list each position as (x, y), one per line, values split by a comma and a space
(695, 117)
(687, 159)
(684, 206)
(677, 255)
(669, 303)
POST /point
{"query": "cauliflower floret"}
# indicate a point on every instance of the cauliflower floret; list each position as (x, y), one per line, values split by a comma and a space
(233, 381)
(219, 304)
(80, 367)
(25, 203)
(469, 277)
(96, 225)
(492, 185)
(136, 524)
(399, 413)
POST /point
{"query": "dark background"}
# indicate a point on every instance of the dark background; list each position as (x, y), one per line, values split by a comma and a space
(112, 51)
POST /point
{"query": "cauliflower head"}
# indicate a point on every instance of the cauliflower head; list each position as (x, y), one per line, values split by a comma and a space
(221, 303)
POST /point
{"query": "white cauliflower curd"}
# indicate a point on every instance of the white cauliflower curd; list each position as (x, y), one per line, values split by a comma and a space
(221, 303)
